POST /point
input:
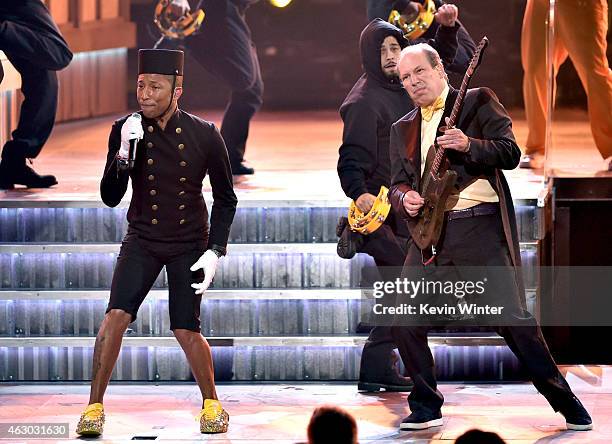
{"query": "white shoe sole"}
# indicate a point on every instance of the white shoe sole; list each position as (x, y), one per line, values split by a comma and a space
(579, 427)
(421, 425)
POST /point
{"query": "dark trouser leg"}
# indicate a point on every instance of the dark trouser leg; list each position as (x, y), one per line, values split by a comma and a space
(28, 32)
(378, 366)
(378, 369)
(520, 330)
(242, 107)
(418, 360)
(35, 47)
(40, 90)
(226, 50)
(528, 344)
(36, 120)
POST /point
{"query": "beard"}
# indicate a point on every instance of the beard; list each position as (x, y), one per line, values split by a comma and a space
(391, 73)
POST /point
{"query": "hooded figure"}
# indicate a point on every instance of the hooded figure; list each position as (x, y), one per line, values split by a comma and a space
(374, 103)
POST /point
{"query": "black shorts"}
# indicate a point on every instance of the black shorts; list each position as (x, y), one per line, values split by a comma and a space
(138, 266)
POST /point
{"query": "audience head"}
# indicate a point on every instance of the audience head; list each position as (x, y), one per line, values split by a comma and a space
(476, 436)
(332, 425)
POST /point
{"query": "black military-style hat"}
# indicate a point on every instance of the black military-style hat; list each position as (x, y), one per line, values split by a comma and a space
(161, 61)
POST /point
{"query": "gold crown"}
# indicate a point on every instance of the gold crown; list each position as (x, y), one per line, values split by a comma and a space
(372, 221)
(419, 25)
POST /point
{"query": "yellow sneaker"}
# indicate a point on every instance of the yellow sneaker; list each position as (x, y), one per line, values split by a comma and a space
(213, 418)
(92, 420)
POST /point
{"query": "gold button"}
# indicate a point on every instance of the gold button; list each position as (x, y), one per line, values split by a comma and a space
(150, 128)
(183, 163)
(178, 131)
(151, 177)
(182, 180)
(154, 207)
(181, 146)
(150, 145)
(181, 207)
(154, 221)
(150, 161)
(182, 221)
(152, 192)
(181, 193)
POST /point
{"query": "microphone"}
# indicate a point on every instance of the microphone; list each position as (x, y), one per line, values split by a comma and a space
(129, 163)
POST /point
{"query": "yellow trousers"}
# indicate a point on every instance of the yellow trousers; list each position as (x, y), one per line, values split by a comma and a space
(580, 33)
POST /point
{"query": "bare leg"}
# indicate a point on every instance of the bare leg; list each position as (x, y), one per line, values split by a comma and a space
(199, 355)
(106, 351)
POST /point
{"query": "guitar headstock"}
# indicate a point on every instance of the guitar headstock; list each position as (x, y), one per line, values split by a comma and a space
(477, 58)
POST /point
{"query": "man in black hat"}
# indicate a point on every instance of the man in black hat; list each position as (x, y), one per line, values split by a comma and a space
(224, 47)
(34, 46)
(168, 226)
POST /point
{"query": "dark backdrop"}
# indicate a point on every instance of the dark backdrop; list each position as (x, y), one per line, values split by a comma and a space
(310, 59)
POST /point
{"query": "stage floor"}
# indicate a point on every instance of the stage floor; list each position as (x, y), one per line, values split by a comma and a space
(294, 154)
(280, 413)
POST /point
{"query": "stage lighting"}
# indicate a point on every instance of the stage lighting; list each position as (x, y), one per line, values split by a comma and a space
(280, 3)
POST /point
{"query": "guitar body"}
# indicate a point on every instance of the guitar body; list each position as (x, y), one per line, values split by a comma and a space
(436, 192)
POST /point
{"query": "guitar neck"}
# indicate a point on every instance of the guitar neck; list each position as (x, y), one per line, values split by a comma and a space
(440, 153)
(459, 100)
(474, 63)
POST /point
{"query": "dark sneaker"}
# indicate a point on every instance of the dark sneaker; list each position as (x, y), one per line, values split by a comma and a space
(576, 416)
(420, 420)
(242, 170)
(349, 242)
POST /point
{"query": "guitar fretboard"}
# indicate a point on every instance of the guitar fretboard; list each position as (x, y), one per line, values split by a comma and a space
(440, 153)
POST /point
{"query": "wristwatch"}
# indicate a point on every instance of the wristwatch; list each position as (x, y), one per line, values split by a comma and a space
(218, 250)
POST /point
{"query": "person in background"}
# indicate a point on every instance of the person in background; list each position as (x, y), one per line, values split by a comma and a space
(224, 47)
(580, 34)
(34, 46)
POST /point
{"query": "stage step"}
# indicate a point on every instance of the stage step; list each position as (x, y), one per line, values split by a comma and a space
(290, 265)
(480, 357)
(212, 294)
(223, 313)
(271, 222)
(284, 305)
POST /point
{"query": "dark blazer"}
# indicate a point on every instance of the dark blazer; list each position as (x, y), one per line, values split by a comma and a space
(492, 149)
(167, 202)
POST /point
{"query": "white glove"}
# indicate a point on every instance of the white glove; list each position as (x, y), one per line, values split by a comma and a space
(180, 7)
(130, 130)
(208, 261)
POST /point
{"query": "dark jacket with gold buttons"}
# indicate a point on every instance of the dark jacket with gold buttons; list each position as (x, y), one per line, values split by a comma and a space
(167, 202)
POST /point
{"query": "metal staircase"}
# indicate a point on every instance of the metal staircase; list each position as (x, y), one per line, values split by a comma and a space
(283, 307)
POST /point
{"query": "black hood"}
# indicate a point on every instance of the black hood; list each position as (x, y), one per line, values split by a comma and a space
(369, 44)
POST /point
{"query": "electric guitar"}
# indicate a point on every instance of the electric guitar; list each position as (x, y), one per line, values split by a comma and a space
(438, 179)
